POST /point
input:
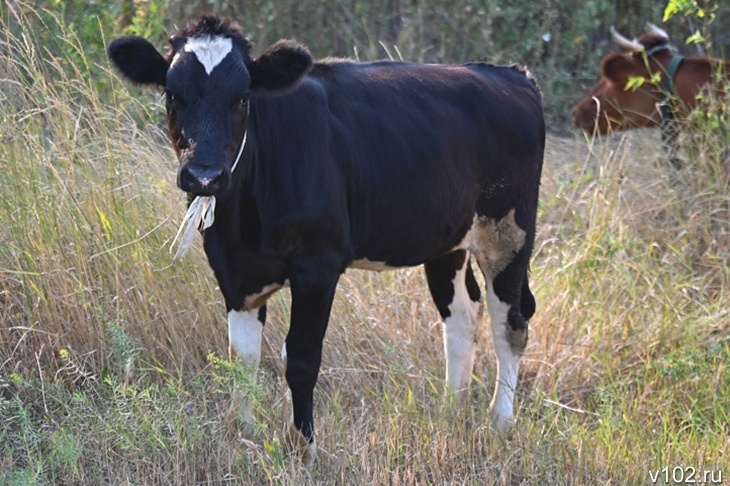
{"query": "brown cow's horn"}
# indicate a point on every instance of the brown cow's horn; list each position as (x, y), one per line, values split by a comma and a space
(653, 29)
(624, 43)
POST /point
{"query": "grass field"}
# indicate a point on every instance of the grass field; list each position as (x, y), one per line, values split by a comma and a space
(113, 361)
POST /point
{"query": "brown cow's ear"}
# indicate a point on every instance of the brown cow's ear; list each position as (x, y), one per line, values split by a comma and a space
(138, 60)
(617, 68)
(281, 65)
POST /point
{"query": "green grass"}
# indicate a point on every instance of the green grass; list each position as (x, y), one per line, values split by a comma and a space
(112, 365)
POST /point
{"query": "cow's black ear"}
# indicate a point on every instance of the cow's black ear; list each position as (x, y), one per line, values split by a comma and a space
(138, 60)
(281, 65)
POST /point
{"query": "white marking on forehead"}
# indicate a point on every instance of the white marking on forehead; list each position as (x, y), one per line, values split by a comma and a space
(209, 50)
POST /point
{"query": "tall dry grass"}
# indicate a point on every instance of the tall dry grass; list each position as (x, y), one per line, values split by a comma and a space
(89, 205)
(110, 353)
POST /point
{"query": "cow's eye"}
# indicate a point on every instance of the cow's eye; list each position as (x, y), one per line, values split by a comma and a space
(242, 103)
(173, 101)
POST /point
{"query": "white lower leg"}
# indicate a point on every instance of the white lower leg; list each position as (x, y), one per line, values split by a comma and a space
(459, 347)
(508, 365)
(460, 335)
(245, 332)
(244, 340)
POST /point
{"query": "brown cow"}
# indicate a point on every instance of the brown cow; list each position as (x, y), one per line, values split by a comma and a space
(610, 106)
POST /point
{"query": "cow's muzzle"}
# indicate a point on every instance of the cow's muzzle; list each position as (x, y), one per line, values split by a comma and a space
(202, 181)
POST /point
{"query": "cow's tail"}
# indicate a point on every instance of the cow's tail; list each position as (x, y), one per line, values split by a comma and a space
(527, 300)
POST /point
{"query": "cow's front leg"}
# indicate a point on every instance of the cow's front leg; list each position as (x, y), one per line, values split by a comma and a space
(313, 285)
(245, 332)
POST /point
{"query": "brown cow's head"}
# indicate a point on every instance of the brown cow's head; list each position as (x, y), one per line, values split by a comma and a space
(610, 106)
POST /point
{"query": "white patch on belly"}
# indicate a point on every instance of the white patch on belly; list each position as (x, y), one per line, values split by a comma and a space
(209, 50)
(365, 264)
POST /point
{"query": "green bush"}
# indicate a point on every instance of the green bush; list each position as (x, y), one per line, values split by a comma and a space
(561, 42)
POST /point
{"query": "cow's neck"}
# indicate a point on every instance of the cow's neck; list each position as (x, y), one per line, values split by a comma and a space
(658, 48)
(667, 87)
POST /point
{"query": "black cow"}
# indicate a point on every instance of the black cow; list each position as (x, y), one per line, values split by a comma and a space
(354, 165)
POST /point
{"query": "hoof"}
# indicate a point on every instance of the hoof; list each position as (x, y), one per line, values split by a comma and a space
(502, 425)
(241, 409)
(301, 447)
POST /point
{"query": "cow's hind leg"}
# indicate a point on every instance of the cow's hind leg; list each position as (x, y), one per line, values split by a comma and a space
(456, 295)
(509, 323)
(502, 250)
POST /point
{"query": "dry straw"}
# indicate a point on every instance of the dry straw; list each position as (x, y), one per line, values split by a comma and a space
(201, 213)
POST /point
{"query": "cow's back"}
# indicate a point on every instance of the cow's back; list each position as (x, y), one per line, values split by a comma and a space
(418, 148)
(424, 114)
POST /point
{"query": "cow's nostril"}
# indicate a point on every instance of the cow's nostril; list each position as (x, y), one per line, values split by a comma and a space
(201, 180)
